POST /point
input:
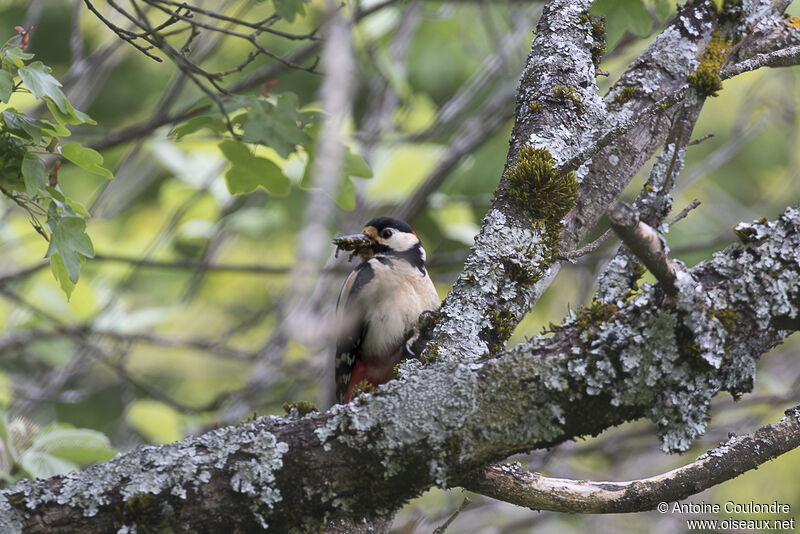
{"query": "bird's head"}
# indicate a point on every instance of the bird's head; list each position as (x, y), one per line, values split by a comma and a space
(385, 236)
(390, 235)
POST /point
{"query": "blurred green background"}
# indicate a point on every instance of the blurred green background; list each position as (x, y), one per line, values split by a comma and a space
(187, 318)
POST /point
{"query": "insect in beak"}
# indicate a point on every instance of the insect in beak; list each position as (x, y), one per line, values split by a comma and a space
(356, 244)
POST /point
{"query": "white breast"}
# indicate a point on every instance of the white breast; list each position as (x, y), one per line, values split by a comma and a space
(394, 300)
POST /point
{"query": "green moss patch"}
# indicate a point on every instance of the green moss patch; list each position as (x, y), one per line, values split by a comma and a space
(705, 80)
(567, 93)
(303, 407)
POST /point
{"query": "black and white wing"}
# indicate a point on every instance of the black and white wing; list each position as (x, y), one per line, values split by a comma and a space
(350, 319)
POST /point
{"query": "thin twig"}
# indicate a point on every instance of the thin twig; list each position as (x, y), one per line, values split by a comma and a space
(684, 212)
(440, 529)
(22, 273)
(787, 57)
(699, 140)
(621, 129)
(194, 265)
(125, 35)
(572, 255)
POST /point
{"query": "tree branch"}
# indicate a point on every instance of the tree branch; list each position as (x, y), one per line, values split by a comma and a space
(511, 483)
(644, 241)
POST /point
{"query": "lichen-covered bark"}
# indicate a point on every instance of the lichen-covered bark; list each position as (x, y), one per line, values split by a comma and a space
(557, 101)
(653, 357)
(490, 293)
(561, 57)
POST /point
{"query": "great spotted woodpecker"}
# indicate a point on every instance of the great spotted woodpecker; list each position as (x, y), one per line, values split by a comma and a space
(379, 303)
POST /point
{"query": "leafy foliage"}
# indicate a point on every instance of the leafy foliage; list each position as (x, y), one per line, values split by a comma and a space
(29, 146)
(288, 9)
(248, 172)
(278, 123)
(26, 450)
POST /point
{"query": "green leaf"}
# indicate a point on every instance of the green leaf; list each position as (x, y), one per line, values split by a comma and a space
(278, 126)
(78, 208)
(663, 8)
(40, 82)
(34, 174)
(28, 128)
(356, 165)
(346, 196)
(17, 53)
(56, 193)
(622, 15)
(16, 56)
(197, 123)
(61, 275)
(157, 422)
(6, 86)
(248, 172)
(86, 158)
(80, 445)
(73, 117)
(287, 9)
(43, 465)
(69, 240)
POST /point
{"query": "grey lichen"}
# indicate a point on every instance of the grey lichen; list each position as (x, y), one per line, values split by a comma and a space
(10, 517)
(254, 477)
(618, 279)
(174, 469)
(686, 353)
(501, 246)
(448, 401)
(719, 451)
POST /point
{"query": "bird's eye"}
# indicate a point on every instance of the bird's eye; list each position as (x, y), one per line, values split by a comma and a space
(387, 233)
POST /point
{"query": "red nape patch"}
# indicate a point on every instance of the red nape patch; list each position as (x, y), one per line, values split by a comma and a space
(359, 374)
(415, 234)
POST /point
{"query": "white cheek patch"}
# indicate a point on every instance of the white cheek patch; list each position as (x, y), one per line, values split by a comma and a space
(402, 241)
